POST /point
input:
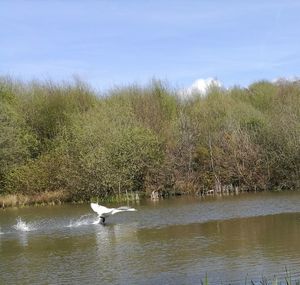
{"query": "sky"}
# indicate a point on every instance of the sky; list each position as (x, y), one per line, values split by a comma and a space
(110, 43)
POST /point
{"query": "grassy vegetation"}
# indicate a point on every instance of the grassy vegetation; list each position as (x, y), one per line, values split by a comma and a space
(65, 138)
(286, 278)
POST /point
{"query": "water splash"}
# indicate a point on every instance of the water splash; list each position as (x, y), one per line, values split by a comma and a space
(83, 221)
(97, 221)
(23, 226)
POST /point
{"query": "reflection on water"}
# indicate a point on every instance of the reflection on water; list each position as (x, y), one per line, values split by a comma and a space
(23, 238)
(228, 249)
(175, 241)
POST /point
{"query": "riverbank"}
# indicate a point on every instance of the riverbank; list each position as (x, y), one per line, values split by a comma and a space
(60, 197)
(46, 198)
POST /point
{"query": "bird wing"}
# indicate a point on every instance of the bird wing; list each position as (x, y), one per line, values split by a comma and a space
(126, 209)
(123, 209)
(100, 210)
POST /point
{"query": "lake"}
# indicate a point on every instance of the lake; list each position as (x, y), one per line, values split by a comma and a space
(172, 241)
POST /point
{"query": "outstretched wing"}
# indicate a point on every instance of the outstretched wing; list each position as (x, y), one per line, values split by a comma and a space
(122, 209)
(126, 209)
(100, 210)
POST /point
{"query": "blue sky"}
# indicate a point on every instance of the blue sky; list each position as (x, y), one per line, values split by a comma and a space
(108, 43)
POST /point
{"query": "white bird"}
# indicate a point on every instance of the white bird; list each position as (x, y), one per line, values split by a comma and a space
(105, 212)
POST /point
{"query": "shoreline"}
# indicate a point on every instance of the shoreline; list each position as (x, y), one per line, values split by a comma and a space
(60, 197)
(45, 198)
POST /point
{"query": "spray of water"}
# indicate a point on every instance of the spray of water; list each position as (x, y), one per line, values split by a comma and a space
(23, 226)
(84, 220)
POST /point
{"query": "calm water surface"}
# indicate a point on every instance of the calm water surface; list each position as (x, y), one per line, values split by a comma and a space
(174, 241)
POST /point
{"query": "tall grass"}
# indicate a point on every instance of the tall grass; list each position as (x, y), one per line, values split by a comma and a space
(286, 278)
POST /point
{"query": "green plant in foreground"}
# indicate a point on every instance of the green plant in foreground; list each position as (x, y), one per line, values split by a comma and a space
(205, 282)
(287, 279)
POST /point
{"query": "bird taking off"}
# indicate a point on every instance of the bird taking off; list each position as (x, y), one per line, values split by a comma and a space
(104, 212)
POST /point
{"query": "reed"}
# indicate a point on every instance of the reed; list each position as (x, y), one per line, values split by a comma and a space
(44, 198)
(133, 197)
(286, 279)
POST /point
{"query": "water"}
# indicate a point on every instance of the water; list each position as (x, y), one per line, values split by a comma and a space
(174, 241)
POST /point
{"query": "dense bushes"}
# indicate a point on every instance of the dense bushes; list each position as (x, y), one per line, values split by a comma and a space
(67, 138)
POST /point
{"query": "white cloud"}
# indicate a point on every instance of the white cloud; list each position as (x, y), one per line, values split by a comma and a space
(287, 79)
(200, 86)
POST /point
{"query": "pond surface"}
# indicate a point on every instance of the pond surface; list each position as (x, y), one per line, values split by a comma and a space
(173, 241)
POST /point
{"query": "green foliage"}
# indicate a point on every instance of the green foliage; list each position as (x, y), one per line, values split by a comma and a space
(116, 160)
(37, 176)
(63, 137)
(17, 142)
(261, 94)
(49, 108)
